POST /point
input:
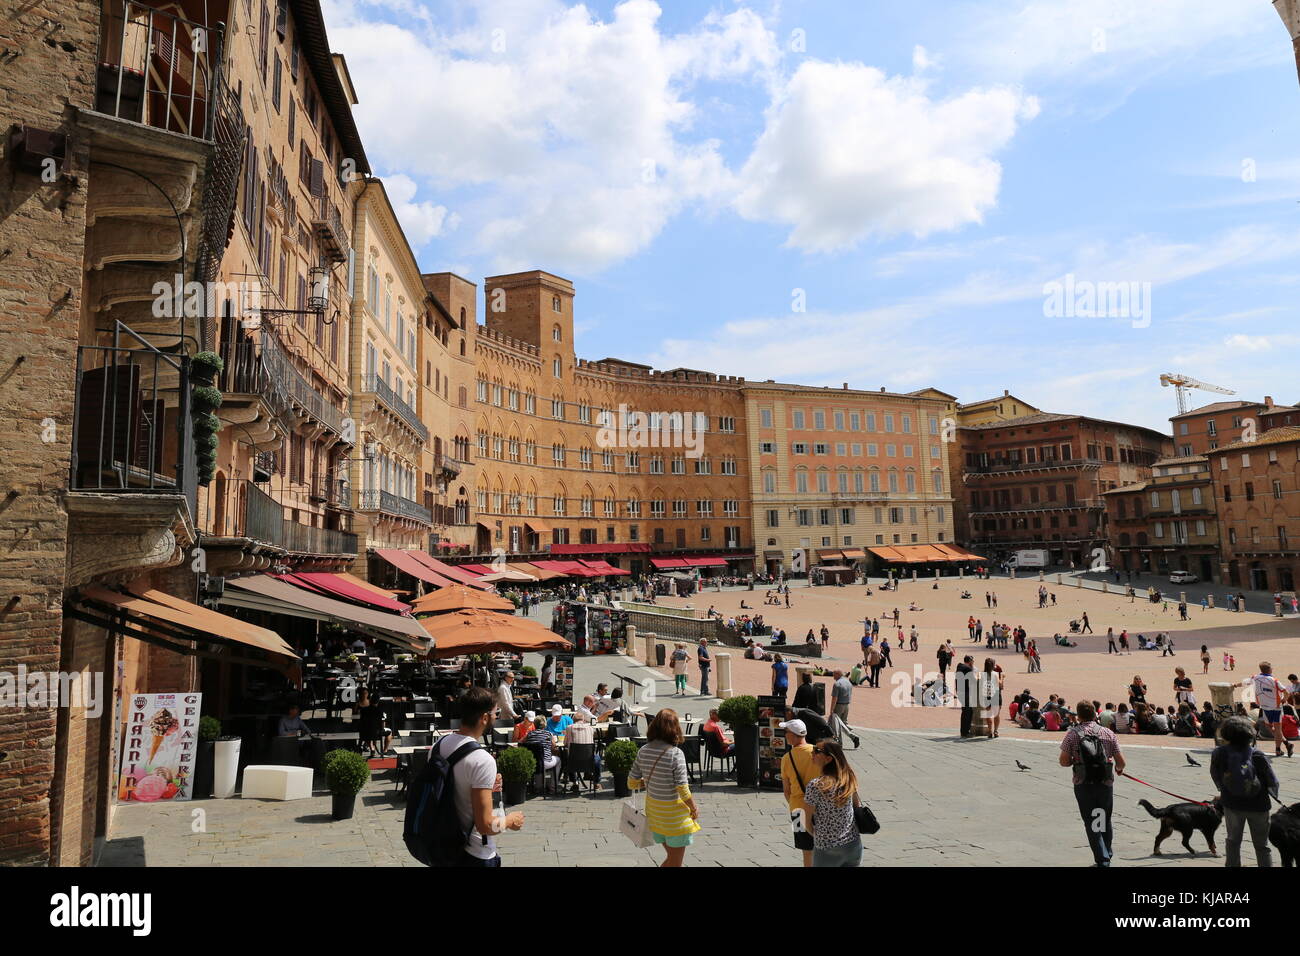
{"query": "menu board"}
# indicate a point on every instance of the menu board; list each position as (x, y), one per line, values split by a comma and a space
(771, 741)
(161, 746)
(564, 677)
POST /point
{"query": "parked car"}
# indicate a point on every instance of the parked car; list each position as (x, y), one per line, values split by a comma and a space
(1183, 577)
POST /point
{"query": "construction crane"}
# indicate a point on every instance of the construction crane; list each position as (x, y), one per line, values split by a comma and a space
(1185, 383)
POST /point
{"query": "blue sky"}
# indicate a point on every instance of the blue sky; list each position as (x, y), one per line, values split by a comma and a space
(912, 173)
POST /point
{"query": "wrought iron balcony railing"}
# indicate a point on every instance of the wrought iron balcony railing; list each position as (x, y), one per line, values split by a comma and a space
(389, 503)
(238, 508)
(377, 386)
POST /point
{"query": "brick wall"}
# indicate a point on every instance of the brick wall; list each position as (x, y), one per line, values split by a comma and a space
(42, 231)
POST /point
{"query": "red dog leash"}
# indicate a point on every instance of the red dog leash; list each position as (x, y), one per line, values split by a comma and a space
(1170, 793)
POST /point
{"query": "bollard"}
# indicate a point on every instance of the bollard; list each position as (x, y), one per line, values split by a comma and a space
(914, 574)
(961, 573)
(1058, 580)
(723, 689)
(1223, 694)
(1040, 577)
(1210, 600)
(629, 642)
(1078, 582)
(1105, 587)
(648, 649)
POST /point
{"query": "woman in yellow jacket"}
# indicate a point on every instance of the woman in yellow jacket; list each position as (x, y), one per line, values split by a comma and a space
(660, 767)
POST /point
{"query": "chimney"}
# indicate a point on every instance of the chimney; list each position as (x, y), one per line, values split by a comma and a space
(1268, 401)
(1006, 393)
(846, 386)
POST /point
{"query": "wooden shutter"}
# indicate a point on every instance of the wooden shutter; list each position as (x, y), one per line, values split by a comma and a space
(317, 178)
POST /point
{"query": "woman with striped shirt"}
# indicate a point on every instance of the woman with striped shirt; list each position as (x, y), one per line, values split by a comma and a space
(660, 767)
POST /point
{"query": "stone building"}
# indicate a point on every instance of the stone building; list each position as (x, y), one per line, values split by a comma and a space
(837, 472)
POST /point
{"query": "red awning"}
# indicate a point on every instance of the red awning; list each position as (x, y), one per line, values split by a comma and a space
(405, 562)
(447, 570)
(571, 568)
(604, 567)
(705, 562)
(331, 585)
(475, 568)
(666, 563)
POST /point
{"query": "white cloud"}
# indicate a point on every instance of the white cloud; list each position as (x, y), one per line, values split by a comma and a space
(1248, 343)
(421, 221)
(848, 153)
(571, 135)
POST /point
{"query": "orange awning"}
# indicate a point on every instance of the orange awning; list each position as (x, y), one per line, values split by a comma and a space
(459, 597)
(541, 574)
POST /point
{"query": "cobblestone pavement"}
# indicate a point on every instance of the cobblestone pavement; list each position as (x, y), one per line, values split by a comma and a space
(941, 802)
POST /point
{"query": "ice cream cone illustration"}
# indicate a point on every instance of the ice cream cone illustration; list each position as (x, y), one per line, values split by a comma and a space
(162, 724)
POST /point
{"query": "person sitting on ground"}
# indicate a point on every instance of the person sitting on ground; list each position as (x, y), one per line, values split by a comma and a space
(914, 607)
(1185, 722)
(1123, 720)
(1052, 718)
(857, 675)
(1209, 723)
(1290, 723)
(1263, 729)
(714, 726)
(1106, 717)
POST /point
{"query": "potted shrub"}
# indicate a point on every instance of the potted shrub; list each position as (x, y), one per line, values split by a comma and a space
(209, 731)
(516, 766)
(205, 367)
(205, 398)
(741, 715)
(346, 772)
(528, 670)
(619, 756)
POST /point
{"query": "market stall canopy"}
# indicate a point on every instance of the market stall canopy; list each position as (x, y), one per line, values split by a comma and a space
(365, 585)
(568, 568)
(485, 632)
(159, 613)
(854, 554)
(540, 574)
(405, 562)
(508, 576)
(448, 570)
(458, 597)
(337, 586)
(261, 592)
(829, 555)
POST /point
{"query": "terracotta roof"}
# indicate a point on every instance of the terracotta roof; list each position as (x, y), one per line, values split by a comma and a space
(1180, 460)
(1039, 419)
(1215, 407)
(1274, 436)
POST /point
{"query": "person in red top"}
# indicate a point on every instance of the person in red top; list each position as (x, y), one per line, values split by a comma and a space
(713, 726)
(1051, 719)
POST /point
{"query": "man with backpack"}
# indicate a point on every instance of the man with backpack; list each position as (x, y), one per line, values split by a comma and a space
(1092, 752)
(450, 820)
(1245, 779)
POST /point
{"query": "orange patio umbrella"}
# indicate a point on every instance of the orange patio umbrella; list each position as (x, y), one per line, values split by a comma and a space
(483, 632)
(460, 597)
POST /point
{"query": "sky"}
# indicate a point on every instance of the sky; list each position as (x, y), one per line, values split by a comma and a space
(1062, 199)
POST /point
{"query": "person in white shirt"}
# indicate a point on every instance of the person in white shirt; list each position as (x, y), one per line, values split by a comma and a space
(1270, 695)
(475, 779)
(505, 697)
(587, 708)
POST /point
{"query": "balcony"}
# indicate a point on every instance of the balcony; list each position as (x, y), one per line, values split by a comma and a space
(332, 492)
(447, 465)
(131, 422)
(159, 69)
(1002, 467)
(327, 225)
(258, 533)
(1082, 504)
(260, 375)
(384, 392)
(391, 504)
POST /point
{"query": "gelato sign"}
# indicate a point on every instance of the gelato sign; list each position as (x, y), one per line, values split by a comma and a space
(162, 744)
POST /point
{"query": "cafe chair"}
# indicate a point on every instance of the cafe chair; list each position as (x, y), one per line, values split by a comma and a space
(425, 707)
(553, 773)
(582, 760)
(284, 752)
(713, 752)
(408, 768)
(691, 748)
(418, 739)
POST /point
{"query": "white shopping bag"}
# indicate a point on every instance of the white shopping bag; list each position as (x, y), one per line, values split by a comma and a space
(632, 823)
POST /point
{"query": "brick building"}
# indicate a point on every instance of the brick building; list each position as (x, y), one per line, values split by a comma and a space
(1169, 522)
(1035, 482)
(1259, 509)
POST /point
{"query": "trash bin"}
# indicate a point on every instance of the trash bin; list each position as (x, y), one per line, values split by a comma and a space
(226, 767)
(661, 654)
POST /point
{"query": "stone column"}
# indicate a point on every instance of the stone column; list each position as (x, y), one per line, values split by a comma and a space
(1040, 577)
(648, 648)
(723, 690)
(914, 574)
(1058, 580)
(1210, 600)
(1223, 695)
(1105, 587)
(1078, 582)
(629, 642)
(961, 572)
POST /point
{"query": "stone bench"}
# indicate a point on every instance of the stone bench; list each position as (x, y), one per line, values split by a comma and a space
(264, 782)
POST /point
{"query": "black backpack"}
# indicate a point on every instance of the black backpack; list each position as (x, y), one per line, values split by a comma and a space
(432, 831)
(1093, 759)
(1239, 777)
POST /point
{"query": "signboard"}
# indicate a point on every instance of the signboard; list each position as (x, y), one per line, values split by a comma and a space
(771, 741)
(162, 744)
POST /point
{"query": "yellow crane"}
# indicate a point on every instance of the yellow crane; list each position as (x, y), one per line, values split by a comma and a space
(1185, 383)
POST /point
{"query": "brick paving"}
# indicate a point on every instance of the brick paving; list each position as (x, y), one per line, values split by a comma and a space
(941, 801)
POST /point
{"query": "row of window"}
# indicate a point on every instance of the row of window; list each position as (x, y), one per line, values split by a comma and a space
(856, 482)
(803, 517)
(848, 421)
(842, 449)
(513, 503)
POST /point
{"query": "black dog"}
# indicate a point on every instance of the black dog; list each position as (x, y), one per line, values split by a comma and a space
(1284, 833)
(1187, 818)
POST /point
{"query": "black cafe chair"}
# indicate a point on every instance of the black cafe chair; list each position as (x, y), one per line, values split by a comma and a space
(409, 768)
(425, 707)
(580, 761)
(713, 751)
(691, 748)
(554, 773)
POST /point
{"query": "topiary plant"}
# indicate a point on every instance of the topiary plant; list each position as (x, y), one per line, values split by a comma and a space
(205, 398)
(209, 728)
(528, 671)
(206, 365)
(346, 771)
(516, 765)
(740, 711)
(620, 754)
